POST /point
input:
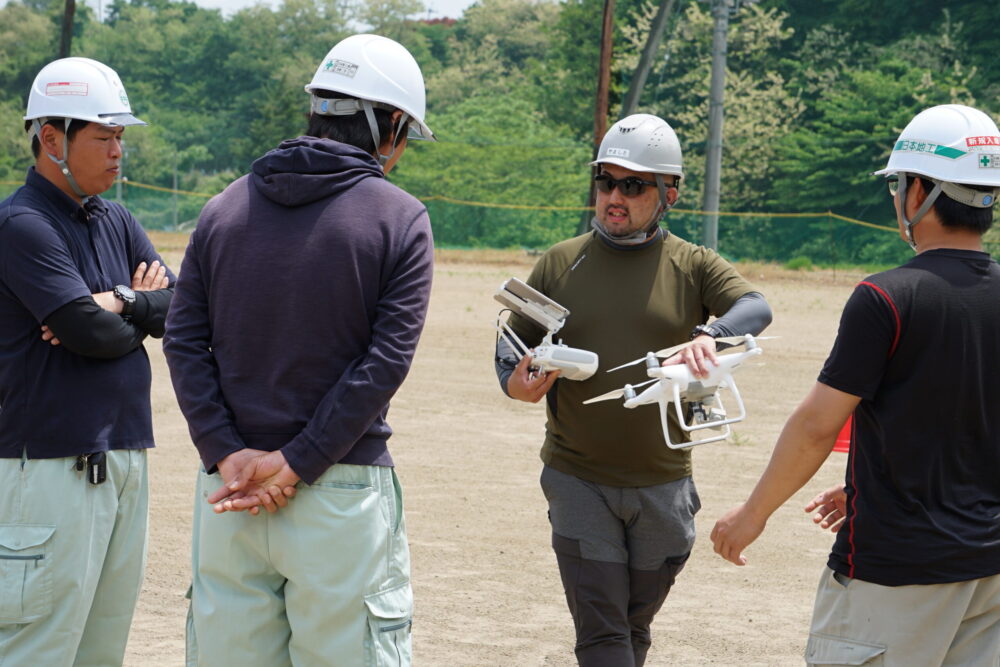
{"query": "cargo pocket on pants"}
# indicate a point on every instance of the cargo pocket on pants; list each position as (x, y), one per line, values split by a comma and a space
(826, 650)
(25, 572)
(389, 620)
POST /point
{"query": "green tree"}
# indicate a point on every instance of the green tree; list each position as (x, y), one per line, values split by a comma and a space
(497, 149)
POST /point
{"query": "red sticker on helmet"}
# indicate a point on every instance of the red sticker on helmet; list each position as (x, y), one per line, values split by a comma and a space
(66, 88)
(982, 141)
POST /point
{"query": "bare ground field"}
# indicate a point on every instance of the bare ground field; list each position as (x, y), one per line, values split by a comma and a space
(485, 580)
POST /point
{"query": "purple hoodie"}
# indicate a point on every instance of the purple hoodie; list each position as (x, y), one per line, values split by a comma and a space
(299, 305)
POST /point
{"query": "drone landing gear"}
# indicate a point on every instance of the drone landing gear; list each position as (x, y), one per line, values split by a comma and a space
(704, 412)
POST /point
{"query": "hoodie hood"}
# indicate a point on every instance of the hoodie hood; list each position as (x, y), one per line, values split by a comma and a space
(303, 170)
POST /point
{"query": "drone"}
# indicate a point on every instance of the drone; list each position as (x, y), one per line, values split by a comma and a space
(675, 385)
(521, 298)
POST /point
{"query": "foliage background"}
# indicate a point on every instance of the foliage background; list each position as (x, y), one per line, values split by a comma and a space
(816, 91)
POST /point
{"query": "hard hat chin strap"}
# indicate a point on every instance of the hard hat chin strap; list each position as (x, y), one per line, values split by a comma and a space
(908, 224)
(373, 126)
(36, 126)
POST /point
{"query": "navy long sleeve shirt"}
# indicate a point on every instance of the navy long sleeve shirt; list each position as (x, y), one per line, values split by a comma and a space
(301, 298)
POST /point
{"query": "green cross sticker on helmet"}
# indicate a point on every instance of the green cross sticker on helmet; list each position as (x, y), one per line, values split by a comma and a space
(989, 161)
(957, 133)
(952, 131)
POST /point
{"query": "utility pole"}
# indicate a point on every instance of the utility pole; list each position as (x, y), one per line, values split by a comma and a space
(67, 28)
(713, 154)
(646, 59)
(601, 104)
(721, 10)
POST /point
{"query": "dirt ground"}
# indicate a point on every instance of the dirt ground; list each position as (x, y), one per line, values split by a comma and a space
(485, 580)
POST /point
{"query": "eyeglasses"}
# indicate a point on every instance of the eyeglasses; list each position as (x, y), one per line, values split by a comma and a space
(892, 180)
(629, 186)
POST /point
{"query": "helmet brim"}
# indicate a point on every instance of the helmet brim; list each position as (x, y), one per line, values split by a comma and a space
(667, 170)
(120, 119)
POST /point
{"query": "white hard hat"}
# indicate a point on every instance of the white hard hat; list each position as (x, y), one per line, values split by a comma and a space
(81, 89)
(642, 142)
(954, 146)
(376, 69)
(952, 143)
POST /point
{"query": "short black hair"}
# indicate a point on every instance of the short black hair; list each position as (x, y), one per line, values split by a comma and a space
(353, 129)
(958, 215)
(75, 126)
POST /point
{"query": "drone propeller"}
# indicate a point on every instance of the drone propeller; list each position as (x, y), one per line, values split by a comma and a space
(726, 342)
(618, 393)
(721, 343)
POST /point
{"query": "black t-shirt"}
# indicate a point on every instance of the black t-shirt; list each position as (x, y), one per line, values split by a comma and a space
(920, 344)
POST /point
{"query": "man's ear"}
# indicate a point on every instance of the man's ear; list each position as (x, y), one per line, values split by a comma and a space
(50, 140)
(914, 193)
(673, 194)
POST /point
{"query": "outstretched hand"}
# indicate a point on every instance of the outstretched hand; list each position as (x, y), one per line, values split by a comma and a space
(254, 478)
(830, 508)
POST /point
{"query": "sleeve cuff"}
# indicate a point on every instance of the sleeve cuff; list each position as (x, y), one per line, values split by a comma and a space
(141, 307)
(217, 445)
(305, 459)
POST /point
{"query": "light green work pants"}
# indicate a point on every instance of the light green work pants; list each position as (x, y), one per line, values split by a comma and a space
(323, 581)
(72, 556)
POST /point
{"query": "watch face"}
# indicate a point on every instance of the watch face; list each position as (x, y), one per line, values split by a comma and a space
(125, 293)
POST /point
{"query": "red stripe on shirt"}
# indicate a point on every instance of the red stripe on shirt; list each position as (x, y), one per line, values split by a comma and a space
(895, 313)
(850, 533)
(854, 426)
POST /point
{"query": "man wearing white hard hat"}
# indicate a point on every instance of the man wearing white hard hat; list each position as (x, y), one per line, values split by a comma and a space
(80, 288)
(914, 574)
(297, 314)
(621, 503)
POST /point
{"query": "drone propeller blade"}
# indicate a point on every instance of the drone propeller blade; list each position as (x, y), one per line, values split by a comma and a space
(631, 363)
(617, 393)
(668, 352)
(721, 343)
(726, 342)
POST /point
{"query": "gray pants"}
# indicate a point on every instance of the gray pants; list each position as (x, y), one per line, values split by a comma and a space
(619, 551)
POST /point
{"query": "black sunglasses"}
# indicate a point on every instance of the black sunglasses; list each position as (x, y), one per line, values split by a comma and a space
(629, 186)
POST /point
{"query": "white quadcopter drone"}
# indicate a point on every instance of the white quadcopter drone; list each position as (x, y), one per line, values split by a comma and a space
(677, 385)
(528, 302)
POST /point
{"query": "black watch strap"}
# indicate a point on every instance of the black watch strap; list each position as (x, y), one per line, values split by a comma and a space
(704, 329)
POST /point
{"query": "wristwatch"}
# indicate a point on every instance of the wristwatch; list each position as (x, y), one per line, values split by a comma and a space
(703, 329)
(125, 294)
